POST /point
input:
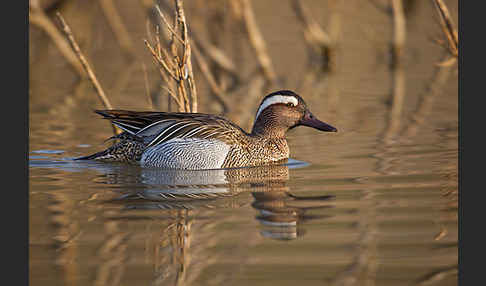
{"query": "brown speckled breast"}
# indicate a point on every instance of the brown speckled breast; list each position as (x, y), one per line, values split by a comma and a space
(258, 151)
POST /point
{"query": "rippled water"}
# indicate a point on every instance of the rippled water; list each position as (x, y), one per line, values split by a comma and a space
(373, 204)
(94, 223)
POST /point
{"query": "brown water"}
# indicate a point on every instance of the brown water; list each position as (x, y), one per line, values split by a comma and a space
(374, 204)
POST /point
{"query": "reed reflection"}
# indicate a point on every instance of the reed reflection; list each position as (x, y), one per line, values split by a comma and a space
(184, 219)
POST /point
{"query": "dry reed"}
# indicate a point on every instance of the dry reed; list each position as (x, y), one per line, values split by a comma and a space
(257, 40)
(208, 75)
(319, 41)
(174, 60)
(84, 62)
(91, 75)
(448, 27)
(39, 18)
(118, 27)
(399, 31)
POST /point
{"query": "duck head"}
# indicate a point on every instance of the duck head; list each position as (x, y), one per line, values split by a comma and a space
(283, 110)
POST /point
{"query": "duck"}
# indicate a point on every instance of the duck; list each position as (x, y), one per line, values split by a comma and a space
(197, 141)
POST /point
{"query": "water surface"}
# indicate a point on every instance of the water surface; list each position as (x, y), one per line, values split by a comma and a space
(373, 204)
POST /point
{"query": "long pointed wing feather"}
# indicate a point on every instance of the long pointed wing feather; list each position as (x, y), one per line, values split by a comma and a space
(158, 127)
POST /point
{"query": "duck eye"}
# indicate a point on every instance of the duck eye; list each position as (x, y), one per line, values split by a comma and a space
(290, 104)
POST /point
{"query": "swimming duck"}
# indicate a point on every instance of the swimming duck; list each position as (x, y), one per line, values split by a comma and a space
(196, 141)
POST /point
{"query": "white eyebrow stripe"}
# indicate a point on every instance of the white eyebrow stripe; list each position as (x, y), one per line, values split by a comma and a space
(276, 99)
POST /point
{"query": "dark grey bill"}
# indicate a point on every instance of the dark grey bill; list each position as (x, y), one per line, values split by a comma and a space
(311, 121)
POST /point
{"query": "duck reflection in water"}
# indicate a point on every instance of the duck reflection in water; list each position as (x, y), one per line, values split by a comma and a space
(280, 213)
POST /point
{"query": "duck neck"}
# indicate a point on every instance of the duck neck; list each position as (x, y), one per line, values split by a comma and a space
(268, 129)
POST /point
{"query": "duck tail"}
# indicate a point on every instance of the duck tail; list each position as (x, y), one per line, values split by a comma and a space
(94, 156)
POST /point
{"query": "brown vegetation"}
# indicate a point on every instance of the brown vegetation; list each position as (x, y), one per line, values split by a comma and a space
(172, 42)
